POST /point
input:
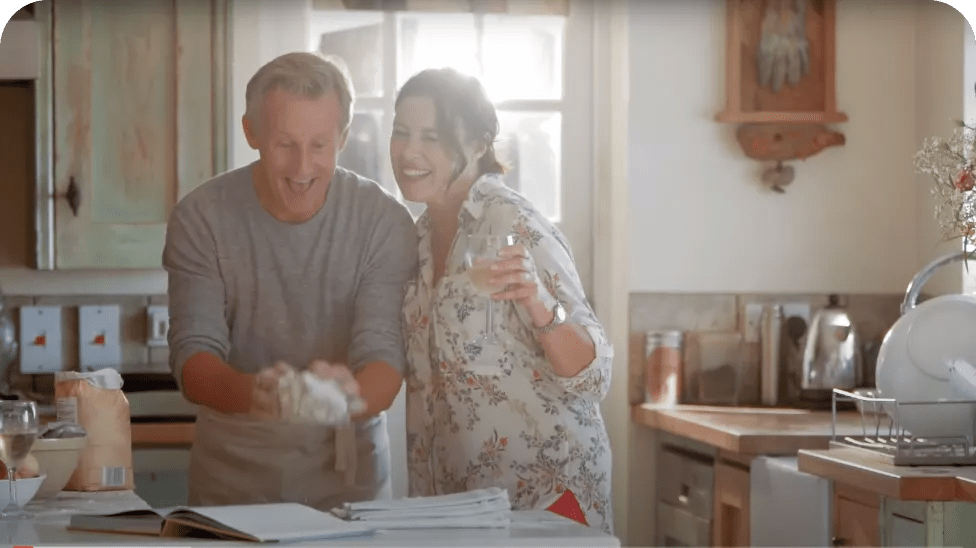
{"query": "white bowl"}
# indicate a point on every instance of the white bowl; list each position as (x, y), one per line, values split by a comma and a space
(57, 458)
(26, 489)
(913, 366)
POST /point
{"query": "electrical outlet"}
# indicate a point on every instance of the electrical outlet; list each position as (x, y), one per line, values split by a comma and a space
(98, 337)
(754, 312)
(157, 325)
(40, 339)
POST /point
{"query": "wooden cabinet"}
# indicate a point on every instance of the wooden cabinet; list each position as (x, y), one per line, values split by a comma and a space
(862, 518)
(702, 495)
(132, 117)
(855, 517)
(685, 486)
(730, 526)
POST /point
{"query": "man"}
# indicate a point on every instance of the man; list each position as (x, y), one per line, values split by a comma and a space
(288, 260)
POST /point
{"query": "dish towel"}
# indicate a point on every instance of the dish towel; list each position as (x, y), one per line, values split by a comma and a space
(481, 508)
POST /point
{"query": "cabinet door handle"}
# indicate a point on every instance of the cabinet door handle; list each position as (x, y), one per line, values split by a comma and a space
(73, 195)
(837, 541)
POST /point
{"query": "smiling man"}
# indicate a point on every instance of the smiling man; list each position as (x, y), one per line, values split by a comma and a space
(289, 260)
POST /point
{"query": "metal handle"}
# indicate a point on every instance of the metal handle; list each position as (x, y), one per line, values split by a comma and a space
(915, 286)
(73, 195)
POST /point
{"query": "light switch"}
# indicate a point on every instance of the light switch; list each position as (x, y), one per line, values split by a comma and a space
(98, 337)
(40, 339)
(157, 325)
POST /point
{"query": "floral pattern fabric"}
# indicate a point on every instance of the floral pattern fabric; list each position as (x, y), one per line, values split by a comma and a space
(498, 415)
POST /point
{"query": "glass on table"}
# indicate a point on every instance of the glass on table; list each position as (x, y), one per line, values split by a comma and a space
(18, 429)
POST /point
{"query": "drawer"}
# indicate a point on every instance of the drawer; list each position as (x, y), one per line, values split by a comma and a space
(686, 482)
(677, 527)
(905, 532)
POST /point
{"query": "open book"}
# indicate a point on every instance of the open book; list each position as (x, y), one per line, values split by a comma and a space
(270, 522)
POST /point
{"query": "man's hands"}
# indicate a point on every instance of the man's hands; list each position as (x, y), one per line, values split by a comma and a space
(266, 398)
(265, 401)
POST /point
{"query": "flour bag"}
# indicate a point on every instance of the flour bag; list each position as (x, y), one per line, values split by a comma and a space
(96, 402)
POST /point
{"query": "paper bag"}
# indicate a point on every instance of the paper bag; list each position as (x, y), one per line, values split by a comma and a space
(96, 402)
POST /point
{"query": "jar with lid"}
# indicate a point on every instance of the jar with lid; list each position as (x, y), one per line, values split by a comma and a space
(663, 367)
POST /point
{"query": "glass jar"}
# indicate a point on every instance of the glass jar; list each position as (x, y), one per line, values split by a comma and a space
(663, 367)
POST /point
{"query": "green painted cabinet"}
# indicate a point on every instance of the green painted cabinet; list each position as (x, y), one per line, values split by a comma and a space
(862, 518)
(919, 523)
(131, 116)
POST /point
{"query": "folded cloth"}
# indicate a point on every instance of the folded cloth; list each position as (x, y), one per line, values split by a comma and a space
(481, 508)
(489, 507)
(434, 501)
(470, 522)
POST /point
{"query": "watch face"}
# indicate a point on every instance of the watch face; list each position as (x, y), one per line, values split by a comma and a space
(560, 312)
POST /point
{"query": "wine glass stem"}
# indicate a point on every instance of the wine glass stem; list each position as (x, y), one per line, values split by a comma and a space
(13, 492)
(489, 319)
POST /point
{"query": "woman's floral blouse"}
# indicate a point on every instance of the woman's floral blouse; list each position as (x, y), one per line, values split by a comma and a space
(510, 422)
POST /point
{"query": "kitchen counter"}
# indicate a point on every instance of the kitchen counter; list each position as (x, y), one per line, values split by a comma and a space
(528, 529)
(162, 434)
(873, 472)
(749, 430)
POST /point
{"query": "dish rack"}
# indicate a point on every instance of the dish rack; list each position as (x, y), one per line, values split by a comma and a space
(881, 433)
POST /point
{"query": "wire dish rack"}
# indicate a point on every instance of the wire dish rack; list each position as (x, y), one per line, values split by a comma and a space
(882, 432)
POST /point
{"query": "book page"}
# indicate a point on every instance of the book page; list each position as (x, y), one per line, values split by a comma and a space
(137, 522)
(274, 521)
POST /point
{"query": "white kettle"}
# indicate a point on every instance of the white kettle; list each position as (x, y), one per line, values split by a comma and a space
(916, 353)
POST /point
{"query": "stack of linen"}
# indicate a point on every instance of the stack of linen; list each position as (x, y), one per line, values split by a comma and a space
(481, 508)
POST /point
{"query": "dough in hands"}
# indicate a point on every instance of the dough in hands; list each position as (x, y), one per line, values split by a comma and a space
(307, 398)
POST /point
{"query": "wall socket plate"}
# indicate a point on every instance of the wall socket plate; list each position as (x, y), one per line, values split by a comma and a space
(797, 309)
(157, 325)
(753, 321)
(40, 339)
(99, 344)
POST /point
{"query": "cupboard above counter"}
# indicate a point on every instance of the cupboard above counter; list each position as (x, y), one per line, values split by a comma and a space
(130, 115)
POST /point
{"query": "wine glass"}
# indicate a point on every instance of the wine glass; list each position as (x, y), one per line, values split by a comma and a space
(481, 251)
(18, 428)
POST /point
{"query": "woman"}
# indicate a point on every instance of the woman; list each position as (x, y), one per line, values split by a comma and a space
(530, 420)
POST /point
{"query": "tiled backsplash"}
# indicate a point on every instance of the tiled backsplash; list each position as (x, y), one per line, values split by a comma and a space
(710, 319)
(137, 357)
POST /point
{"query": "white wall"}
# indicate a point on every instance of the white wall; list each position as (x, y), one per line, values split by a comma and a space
(849, 222)
(944, 86)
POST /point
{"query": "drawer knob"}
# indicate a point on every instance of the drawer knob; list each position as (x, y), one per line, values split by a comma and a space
(683, 497)
(837, 541)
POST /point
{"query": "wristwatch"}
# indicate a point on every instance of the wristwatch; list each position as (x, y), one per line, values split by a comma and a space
(558, 317)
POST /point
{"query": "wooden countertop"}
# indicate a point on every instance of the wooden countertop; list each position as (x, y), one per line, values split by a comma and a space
(162, 434)
(873, 472)
(753, 431)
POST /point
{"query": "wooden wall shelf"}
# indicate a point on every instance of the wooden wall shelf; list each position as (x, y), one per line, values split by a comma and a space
(781, 117)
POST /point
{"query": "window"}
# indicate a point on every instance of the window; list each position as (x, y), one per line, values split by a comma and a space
(538, 69)
(518, 58)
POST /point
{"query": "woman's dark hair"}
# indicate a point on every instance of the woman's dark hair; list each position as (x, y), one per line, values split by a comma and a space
(461, 104)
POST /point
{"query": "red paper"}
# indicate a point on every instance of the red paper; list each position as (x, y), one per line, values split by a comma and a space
(567, 506)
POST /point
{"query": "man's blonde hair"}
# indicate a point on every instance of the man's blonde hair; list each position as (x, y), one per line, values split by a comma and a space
(309, 74)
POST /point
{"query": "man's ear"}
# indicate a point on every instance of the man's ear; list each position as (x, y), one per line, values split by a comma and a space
(342, 140)
(250, 132)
